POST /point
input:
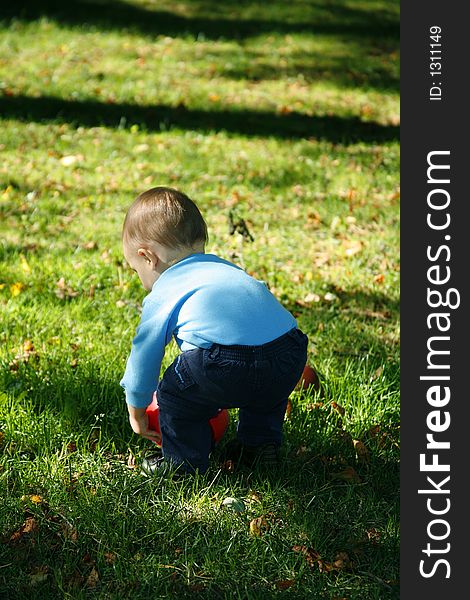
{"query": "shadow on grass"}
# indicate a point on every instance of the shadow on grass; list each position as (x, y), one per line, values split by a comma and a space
(215, 20)
(91, 113)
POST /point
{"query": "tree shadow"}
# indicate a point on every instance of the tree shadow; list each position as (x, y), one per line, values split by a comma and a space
(360, 65)
(229, 22)
(293, 125)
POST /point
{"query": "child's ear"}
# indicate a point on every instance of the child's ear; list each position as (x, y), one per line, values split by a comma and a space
(150, 256)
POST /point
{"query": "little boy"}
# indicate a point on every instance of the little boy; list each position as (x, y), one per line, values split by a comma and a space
(240, 347)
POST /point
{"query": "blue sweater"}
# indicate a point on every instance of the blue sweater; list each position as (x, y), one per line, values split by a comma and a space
(200, 300)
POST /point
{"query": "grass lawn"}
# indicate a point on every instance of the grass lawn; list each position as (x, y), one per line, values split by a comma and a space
(285, 114)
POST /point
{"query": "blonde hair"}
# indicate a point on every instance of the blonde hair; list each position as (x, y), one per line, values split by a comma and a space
(166, 216)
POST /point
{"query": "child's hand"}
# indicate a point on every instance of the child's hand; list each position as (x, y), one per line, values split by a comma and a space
(139, 421)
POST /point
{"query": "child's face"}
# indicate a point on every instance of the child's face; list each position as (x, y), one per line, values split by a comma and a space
(143, 261)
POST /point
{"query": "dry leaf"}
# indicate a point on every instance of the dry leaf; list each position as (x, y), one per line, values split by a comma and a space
(374, 431)
(348, 474)
(92, 245)
(314, 406)
(311, 555)
(29, 526)
(362, 452)
(285, 584)
(341, 562)
(69, 532)
(377, 373)
(373, 535)
(64, 291)
(254, 496)
(110, 558)
(93, 578)
(258, 526)
(352, 247)
(338, 408)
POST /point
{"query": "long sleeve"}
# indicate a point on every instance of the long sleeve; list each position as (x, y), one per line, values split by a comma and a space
(144, 362)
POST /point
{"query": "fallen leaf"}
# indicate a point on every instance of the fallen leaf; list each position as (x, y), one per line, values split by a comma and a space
(69, 532)
(377, 373)
(314, 406)
(90, 245)
(338, 408)
(254, 496)
(285, 584)
(29, 526)
(352, 247)
(362, 452)
(311, 556)
(374, 431)
(109, 558)
(379, 278)
(93, 578)
(341, 561)
(373, 535)
(348, 474)
(258, 526)
(64, 291)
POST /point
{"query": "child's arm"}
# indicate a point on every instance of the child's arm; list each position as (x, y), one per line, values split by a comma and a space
(139, 421)
(144, 362)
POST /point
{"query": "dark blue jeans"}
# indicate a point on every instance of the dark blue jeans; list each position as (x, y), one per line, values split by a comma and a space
(255, 379)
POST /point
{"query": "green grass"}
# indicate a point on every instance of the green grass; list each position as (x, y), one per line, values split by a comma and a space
(288, 115)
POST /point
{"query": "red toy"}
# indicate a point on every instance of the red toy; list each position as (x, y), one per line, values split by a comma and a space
(308, 378)
(218, 424)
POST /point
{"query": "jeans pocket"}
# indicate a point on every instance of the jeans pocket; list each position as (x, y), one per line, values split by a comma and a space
(183, 376)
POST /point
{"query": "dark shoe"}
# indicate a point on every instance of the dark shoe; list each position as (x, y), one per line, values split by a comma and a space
(264, 456)
(152, 463)
(155, 464)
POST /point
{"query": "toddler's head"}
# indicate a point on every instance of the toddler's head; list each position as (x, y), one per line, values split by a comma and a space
(161, 227)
